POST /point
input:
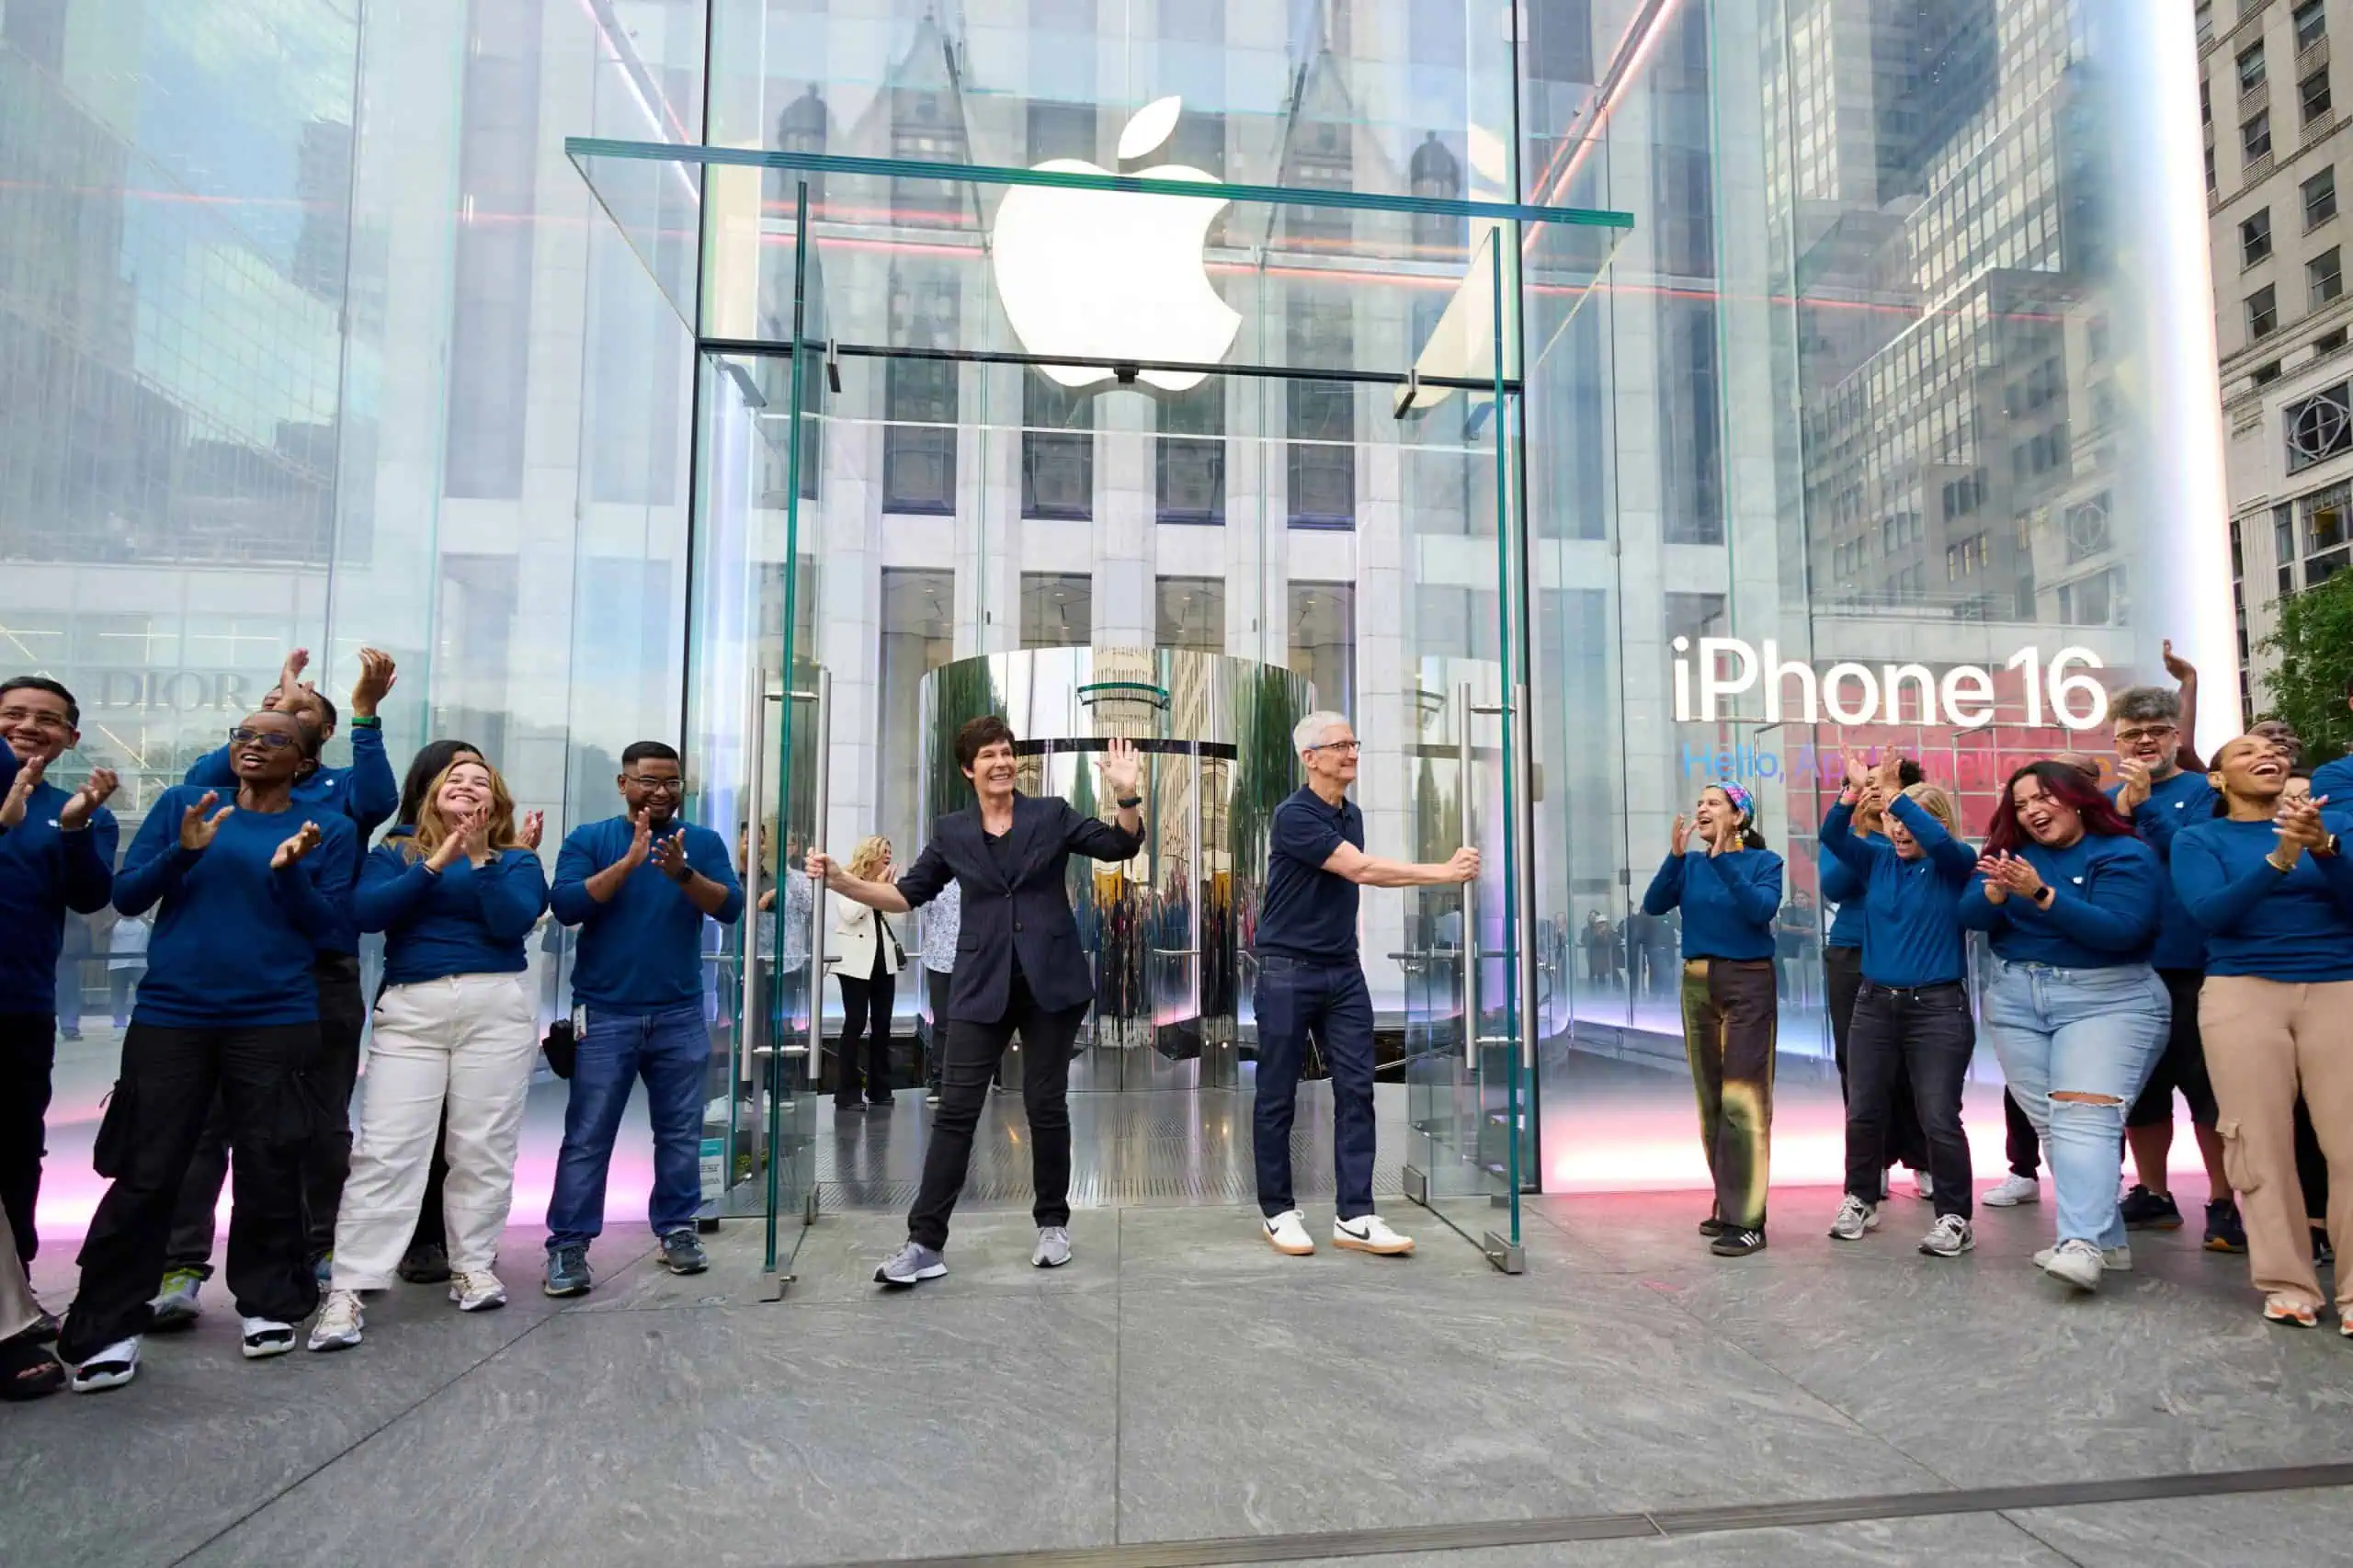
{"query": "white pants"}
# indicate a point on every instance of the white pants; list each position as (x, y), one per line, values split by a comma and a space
(460, 1046)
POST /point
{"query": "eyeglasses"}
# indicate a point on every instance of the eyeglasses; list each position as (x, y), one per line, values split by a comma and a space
(268, 740)
(656, 786)
(1350, 746)
(2153, 732)
(39, 718)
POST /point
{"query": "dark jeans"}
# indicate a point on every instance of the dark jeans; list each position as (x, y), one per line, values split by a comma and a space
(938, 983)
(28, 1057)
(672, 1052)
(2020, 1144)
(1925, 1034)
(325, 1163)
(2181, 1065)
(974, 1050)
(170, 1079)
(1731, 1020)
(866, 1015)
(2312, 1166)
(1842, 979)
(431, 1232)
(1330, 1002)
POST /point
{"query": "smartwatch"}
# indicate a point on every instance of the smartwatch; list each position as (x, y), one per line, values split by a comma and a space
(367, 721)
(1130, 803)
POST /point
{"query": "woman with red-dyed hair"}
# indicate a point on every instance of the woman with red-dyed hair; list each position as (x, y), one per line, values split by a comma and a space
(2069, 896)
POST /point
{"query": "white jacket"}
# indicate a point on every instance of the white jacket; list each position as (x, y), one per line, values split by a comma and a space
(855, 930)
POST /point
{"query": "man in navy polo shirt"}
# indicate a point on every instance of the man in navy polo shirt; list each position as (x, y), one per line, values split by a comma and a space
(1311, 982)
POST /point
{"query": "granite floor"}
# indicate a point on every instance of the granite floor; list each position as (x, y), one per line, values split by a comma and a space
(1180, 1382)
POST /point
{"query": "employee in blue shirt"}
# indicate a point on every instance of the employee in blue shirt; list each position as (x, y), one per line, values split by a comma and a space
(1912, 1010)
(58, 855)
(2069, 897)
(1311, 982)
(246, 887)
(2162, 796)
(639, 886)
(2333, 781)
(2269, 883)
(1729, 888)
(1842, 982)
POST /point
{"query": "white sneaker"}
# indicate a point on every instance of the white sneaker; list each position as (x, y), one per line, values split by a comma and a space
(1924, 1185)
(110, 1368)
(338, 1323)
(1053, 1247)
(1949, 1237)
(476, 1290)
(2011, 1191)
(1287, 1233)
(2116, 1259)
(266, 1337)
(1370, 1233)
(2075, 1262)
(1855, 1219)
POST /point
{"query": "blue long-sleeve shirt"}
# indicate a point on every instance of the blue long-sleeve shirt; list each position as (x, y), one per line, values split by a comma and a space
(365, 794)
(2174, 803)
(2103, 913)
(1728, 900)
(233, 940)
(1912, 936)
(44, 871)
(2332, 782)
(464, 919)
(1841, 887)
(642, 953)
(2293, 925)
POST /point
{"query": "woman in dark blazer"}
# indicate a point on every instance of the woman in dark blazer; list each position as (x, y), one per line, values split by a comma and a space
(1019, 967)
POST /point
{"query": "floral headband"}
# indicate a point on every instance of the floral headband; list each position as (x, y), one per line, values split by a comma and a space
(1741, 800)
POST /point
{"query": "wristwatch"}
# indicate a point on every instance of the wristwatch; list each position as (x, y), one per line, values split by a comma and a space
(2328, 847)
(1128, 802)
(367, 721)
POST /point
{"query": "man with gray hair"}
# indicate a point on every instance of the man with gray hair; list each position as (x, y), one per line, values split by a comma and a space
(1311, 980)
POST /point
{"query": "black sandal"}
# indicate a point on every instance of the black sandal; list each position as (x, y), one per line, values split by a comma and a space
(28, 1370)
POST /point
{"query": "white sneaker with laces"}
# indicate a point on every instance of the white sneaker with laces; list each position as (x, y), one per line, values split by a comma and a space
(1856, 1219)
(110, 1368)
(338, 1324)
(2076, 1262)
(1370, 1233)
(1924, 1185)
(1053, 1247)
(1287, 1233)
(2116, 1260)
(2011, 1191)
(265, 1337)
(1949, 1237)
(476, 1290)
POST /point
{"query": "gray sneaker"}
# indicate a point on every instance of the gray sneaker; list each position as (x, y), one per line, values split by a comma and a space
(568, 1272)
(1053, 1247)
(911, 1266)
(682, 1252)
(1949, 1237)
(1856, 1219)
(2076, 1262)
(2116, 1260)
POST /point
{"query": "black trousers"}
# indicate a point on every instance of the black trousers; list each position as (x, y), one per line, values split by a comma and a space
(430, 1230)
(170, 1079)
(974, 1050)
(866, 1015)
(1842, 981)
(325, 1162)
(27, 1058)
(938, 983)
(2020, 1144)
(1925, 1035)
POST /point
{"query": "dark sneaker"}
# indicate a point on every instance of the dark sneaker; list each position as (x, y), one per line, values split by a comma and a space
(682, 1252)
(424, 1264)
(910, 1265)
(42, 1330)
(2224, 1231)
(1712, 1227)
(1737, 1242)
(2146, 1211)
(568, 1273)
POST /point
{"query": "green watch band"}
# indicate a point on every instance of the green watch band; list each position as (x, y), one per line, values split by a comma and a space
(367, 721)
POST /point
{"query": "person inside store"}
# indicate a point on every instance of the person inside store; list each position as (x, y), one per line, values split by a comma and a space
(1311, 983)
(1842, 978)
(639, 886)
(941, 922)
(1728, 886)
(364, 795)
(1020, 970)
(456, 1033)
(126, 961)
(2163, 797)
(1912, 1009)
(2266, 878)
(247, 887)
(866, 959)
(57, 860)
(2068, 896)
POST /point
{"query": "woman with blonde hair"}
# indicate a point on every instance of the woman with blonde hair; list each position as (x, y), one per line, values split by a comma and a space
(456, 1029)
(867, 961)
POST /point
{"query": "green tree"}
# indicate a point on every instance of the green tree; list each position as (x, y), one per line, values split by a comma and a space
(2315, 649)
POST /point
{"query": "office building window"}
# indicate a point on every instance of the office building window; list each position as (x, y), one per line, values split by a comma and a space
(2328, 342)
(1323, 640)
(2312, 23)
(2254, 238)
(1057, 449)
(1189, 613)
(2255, 136)
(919, 401)
(1189, 456)
(2262, 312)
(2210, 169)
(1321, 420)
(2325, 276)
(2312, 95)
(2268, 372)
(1057, 609)
(2320, 199)
(2251, 72)
(2205, 103)
(2324, 519)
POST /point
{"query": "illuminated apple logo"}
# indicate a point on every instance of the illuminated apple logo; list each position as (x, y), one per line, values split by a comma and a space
(1114, 275)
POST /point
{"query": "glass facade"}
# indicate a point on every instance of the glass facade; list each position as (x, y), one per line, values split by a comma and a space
(1902, 373)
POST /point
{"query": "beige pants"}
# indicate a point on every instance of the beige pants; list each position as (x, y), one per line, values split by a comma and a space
(2266, 1039)
(18, 1308)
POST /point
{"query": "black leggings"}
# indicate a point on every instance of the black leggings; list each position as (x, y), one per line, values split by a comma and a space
(866, 1013)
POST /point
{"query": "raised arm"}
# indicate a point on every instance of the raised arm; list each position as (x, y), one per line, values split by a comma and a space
(888, 897)
(1101, 840)
(375, 793)
(1853, 855)
(1665, 890)
(315, 888)
(391, 885)
(1953, 859)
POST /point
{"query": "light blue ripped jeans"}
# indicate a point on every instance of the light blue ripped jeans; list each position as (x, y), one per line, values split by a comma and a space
(2087, 1031)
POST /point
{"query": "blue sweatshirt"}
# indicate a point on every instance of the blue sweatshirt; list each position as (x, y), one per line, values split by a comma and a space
(44, 871)
(1728, 900)
(2295, 926)
(1841, 887)
(2332, 782)
(642, 953)
(365, 794)
(233, 942)
(1912, 934)
(2173, 804)
(461, 920)
(2105, 915)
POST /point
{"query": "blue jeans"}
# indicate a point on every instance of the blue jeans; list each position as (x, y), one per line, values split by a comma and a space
(1331, 1002)
(672, 1052)
(2089, 1032)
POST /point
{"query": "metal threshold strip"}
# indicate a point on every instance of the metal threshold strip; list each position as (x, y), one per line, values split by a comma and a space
(1661, 1524)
